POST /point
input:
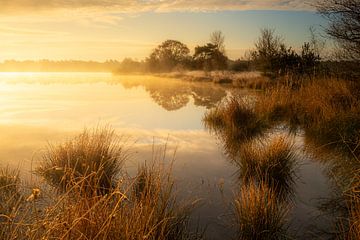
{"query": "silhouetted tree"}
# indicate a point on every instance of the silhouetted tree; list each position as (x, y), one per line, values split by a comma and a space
(209, 57)
(286, 61)
(344, 27)
(309, 60)
(266, 50)
(168, 55)
(217, 38)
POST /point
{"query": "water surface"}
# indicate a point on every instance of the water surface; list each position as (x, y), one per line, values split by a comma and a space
(37, 108)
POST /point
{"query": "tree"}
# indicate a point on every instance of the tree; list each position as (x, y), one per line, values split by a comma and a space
(209, 57)
(217, 38)
(344, 24)
(267, 48)
(168, 55)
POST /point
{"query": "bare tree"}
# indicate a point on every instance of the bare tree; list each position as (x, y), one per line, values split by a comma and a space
(217, 38)
(344, 26)
(266, 49)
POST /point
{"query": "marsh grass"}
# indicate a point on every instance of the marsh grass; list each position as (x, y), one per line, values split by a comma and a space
(91, 161)
(259, 82)
(234, 122)
(128, 211)
(11, 202)
(259, 214)
(143, 206)
(272, 162)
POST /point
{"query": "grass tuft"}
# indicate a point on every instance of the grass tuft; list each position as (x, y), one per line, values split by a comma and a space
(259, 215)
(272, 162)
(91, 161)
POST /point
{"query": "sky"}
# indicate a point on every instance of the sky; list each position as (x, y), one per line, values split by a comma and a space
(114, 29)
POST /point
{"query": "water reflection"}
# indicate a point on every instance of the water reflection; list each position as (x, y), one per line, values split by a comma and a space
(341, 206)
(52, 107)
(174, 94)
(300, 186)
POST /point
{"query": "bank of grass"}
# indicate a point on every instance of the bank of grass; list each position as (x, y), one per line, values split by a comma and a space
(259, 214)
(119, 206)
(253, 80)
(272, 162)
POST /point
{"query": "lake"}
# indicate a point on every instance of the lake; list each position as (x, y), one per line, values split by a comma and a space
(41, 108)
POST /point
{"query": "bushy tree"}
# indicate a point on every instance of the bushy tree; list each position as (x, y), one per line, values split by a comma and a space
(212, 55)
(209, 57)
(168, 55)
(273, 57)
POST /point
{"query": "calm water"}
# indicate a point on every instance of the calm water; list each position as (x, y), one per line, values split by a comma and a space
(37, 108)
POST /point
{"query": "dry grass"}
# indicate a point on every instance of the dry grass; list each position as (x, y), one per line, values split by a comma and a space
(92, 161)
(328, 110)
(259, 215)
(144, 206)
(259, 82)
(272, 162)
(252, 80)
(11, 203)
(235, 122)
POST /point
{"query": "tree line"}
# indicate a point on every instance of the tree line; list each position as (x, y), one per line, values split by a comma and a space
(270, 54)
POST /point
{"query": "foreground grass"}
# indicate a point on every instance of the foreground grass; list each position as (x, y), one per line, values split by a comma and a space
(91, 161)
(94, 198)
(259, 214)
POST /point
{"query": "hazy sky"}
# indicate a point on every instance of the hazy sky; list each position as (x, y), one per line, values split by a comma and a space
(114, 29)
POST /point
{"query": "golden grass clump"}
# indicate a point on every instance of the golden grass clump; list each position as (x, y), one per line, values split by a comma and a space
(275, 103)
(91, 161)
(234, 122)
(235, 116)
(272, 162)
(259, 215)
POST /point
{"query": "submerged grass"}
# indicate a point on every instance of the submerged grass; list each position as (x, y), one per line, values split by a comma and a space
(259, 215)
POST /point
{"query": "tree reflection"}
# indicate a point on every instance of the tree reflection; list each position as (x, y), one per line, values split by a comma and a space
(173, 94)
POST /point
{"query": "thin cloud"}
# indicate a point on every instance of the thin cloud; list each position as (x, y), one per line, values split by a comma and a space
(134, 6)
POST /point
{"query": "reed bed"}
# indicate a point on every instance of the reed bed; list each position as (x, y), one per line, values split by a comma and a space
(259, 214)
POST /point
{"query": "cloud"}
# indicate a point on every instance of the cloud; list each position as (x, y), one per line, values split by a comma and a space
(134, 6)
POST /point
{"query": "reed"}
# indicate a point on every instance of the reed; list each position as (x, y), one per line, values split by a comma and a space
(141, 207)
(272, 162)
(259, 215)
(91, 161)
